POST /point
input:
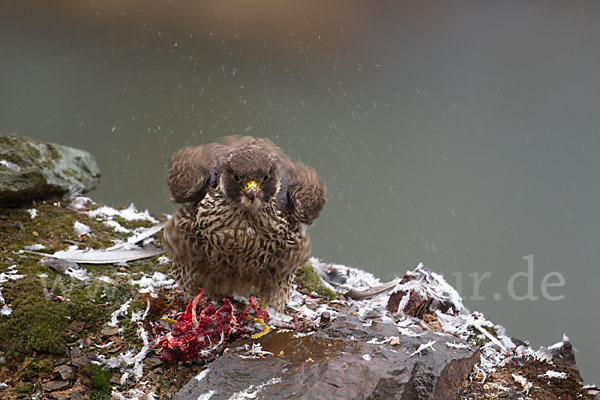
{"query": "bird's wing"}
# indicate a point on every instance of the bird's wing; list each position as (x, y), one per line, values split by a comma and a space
(306, 194)
(191, 170)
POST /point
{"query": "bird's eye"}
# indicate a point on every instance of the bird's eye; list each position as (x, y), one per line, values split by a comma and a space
(236, 178)
(265, 177)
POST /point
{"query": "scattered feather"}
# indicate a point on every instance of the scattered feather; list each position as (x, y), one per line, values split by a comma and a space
(163, 260)
(105, 278)
(202, 374)
(553, 375)
(35, 247)
(130, 213)
(207, 395)
(252, 392)
(114, 321)
(11, 274)
(116, 226)
(141, 235)
(90, 256)
(454, 345)
(525, 384)
(81, 229)
(79, 203)
(157, 281)
(428, 345)
(77, 272)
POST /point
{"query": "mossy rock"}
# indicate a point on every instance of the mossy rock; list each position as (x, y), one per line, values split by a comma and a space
(33, 170)
(310, 281)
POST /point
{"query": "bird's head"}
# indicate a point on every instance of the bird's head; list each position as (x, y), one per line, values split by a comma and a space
(249, 177)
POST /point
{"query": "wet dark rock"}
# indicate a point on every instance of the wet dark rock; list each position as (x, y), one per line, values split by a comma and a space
(34, 170)
(115, 379)
(76, 326)
(75, 352)
(61, 396)
(66, 372)
(109, 330)
(564, 356)
(80, 360)
(76, 396)
(338, 363)
(152, 362)
(54, 385)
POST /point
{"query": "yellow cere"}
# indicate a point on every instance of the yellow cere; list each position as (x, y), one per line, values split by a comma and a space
(251, 184)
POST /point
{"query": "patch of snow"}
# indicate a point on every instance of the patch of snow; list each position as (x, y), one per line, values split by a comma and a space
(32, 212)
(366, 357)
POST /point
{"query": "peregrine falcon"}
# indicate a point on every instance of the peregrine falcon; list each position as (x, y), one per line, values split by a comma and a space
(242, 225)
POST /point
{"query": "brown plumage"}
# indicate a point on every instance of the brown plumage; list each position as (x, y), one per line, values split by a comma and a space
(241, 228)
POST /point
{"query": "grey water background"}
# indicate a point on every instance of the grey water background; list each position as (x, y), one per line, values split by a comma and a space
(464, 135)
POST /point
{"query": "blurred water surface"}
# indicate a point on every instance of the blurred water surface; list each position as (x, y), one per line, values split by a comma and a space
(463, 135)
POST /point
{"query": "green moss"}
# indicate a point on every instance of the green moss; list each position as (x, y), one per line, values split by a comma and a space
(100, 381)
(38, 324)
(25, 388)
(34, 327)
(28, 373)
(138, 223)
(310, 281)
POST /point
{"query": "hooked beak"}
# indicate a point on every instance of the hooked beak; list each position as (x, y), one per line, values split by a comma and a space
(251, 190)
